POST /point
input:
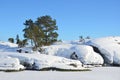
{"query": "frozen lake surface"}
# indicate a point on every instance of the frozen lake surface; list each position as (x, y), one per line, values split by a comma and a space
(98, 73)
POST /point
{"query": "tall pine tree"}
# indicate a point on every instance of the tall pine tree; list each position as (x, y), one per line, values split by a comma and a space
(49, 27)
(42, 31)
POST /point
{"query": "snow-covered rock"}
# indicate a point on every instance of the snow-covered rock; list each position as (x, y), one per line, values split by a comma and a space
(59, 54)
(109, 48)
(7, 46)
(87, 56)
(33, 60)
(85, 53)
(40, 61)
(8, 63)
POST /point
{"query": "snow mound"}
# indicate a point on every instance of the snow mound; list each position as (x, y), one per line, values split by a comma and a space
(8, 63)
(41, 61)
(109, 48)
(85, 53)
(87, 56)
(7, 46)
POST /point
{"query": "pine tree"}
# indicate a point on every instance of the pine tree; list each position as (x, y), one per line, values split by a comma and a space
(48, 26)
(11, 40)
(41, 32)
(88, 37)
(17, 39)
(81, 39)
(33, 33)
(22, 43)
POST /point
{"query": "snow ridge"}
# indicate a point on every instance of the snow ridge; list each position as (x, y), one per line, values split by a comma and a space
(59, 55)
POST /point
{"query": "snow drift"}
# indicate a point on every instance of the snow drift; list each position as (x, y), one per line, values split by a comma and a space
(7, 46)
(41, 61)
(10, 59)
(109, 48)
(85, 53)
(8, 63)
(59, 55)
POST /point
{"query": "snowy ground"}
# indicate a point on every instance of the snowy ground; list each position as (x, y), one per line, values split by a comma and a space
(98, 73)
(58, 55)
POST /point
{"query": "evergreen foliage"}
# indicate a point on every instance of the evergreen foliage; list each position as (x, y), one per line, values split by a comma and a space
(81, 39)
(22, 43)
(11, 40)
(33, 33)
(88, 37)
(17, 39)
(41, 32)
(49, 28)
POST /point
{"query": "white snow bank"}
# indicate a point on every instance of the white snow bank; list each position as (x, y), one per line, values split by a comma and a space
(8, 44)
(40, 61)
(8, 63)
(34, 60)
(12, 47)
(109, 48)
(85, 53)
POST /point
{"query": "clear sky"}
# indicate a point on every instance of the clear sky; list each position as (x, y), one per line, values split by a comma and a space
(94, 18)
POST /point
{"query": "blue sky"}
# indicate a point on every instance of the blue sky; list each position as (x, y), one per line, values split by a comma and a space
(94, 18)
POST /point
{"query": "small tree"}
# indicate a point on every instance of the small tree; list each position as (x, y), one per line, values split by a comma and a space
(22, 43)
(81, 39)
(88, 37)
(17, 39)
(11, 40)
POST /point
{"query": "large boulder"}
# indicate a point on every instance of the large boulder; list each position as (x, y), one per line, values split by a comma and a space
(84, 53)
(41, 61)
(87, 56)
(109, 48)
(8, 63)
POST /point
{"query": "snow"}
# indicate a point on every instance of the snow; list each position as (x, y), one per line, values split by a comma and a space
(8, 63)
(40, 61)
(32, 60)
(59, 54)
(98, 73)
(85, 53)
(109, 48)
(8, 44)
